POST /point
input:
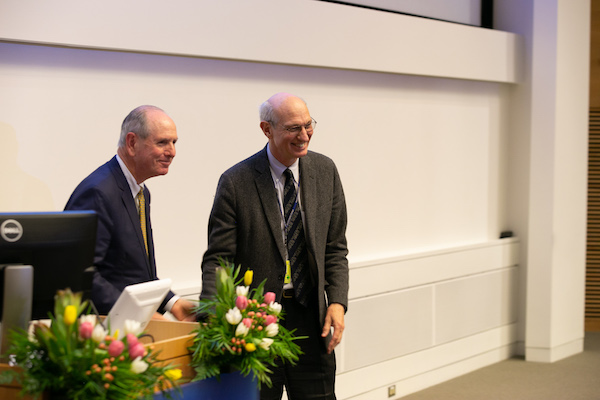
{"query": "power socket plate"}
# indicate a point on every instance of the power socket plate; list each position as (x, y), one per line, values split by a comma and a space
(391, 391)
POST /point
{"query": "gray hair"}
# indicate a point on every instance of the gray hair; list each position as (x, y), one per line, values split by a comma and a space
(137, 123)
(267, 112)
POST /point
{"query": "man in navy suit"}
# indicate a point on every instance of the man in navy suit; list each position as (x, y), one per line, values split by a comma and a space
(124, 249)
(255, 222)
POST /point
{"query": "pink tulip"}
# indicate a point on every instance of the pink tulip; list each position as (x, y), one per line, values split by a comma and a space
(241, 302)
(131, 340)
(269, 297)
(115, 348)
(247, 322)
(85, 330)
(137, 350)
(270, 319)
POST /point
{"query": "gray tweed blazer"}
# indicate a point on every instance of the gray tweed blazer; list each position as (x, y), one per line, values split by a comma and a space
(245, 227)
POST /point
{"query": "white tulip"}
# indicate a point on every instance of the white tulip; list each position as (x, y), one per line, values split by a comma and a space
(242, 290)
(138, 366)
(266, 343)
(242, 330)
(91, 318)
(275, 308)
(233, 316)
(98, 334)
(133, 327)
(272, 330)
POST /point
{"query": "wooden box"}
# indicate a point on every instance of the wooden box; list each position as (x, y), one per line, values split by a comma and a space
(172, 340)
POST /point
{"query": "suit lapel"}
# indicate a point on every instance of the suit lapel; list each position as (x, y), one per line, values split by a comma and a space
(268, 197)
(308, 191)
(130, 207)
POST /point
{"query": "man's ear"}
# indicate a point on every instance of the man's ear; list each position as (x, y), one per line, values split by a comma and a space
(266, 128)
(131, 140)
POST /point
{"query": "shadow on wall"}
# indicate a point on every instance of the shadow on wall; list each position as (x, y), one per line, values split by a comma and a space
(20, 191)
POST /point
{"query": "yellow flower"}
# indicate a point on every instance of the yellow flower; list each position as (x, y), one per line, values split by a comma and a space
(248, 277)
(173, 374)
(70, 314)
(250, 347)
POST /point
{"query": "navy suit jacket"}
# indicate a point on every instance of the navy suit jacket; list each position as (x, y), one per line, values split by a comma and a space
(120, 257)
(245, 227)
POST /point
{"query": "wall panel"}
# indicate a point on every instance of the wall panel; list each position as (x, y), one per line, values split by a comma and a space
(384, 319)
(426, 331)
(475, 304)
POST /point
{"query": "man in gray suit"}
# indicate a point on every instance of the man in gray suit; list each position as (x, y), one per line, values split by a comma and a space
(293, 235)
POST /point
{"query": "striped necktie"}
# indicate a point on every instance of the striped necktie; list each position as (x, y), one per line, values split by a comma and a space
(142, 212)
(295, 240)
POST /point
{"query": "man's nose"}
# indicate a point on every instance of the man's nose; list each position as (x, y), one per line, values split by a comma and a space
(171, 150)
(303, 134)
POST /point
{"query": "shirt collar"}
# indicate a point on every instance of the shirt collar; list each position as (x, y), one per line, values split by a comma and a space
(133, 185)
(278, 168)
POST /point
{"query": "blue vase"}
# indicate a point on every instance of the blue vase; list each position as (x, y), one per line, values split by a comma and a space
(230, 386)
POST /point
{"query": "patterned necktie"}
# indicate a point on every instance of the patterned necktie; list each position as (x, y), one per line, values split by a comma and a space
(296, 243)
(142, 212)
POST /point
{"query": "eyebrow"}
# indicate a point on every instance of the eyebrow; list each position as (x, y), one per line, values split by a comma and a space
(298, 125)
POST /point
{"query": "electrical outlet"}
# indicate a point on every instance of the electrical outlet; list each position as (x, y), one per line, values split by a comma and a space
(391, 391)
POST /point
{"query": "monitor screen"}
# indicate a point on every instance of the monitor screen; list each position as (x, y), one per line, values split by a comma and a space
(58, 245)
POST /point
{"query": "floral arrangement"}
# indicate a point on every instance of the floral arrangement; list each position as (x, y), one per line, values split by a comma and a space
(242, 330)
(77, 358)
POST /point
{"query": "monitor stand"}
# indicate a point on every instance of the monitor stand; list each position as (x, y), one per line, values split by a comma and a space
(16, 304)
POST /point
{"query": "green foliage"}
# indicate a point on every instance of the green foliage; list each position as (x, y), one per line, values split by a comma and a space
(60, 359)
(221, 345)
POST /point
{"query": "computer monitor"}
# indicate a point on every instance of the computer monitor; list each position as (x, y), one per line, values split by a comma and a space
(137, 302)
(56, 247)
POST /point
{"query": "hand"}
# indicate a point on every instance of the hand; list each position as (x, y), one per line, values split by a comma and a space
(183, 310)
(159, 316)
(335, 319)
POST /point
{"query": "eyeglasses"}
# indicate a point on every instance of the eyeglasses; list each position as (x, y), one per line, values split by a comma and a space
(297, 129)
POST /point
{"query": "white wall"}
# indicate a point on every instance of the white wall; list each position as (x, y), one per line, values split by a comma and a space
(548, 171)
(418, 320)
(558, 192)
(438, 137)
(421, 108)
(292, 32)
(428, 140)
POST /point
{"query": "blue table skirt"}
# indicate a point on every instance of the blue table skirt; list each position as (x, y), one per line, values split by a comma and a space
(232, 386)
